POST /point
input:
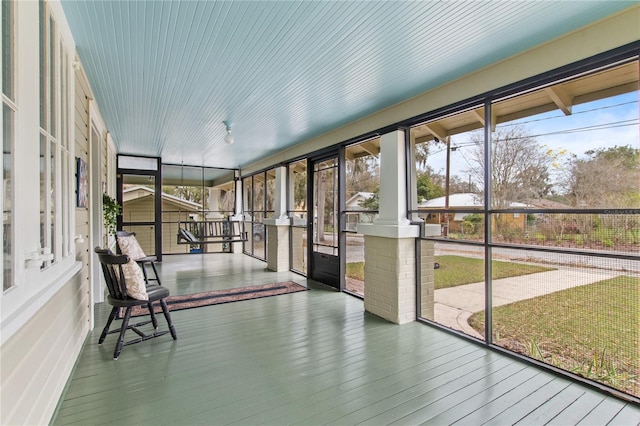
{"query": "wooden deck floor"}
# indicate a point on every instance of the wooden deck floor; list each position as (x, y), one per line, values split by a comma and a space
(311, 358)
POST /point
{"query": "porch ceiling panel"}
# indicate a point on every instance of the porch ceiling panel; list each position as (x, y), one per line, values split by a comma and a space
(166, 74)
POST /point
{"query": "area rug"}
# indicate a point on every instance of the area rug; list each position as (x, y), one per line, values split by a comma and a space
(188, 301)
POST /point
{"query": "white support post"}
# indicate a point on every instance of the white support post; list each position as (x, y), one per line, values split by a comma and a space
(392, 221)
(239, 214)
(278, 226)
(393, 210)
(281, 194)
(389, 244)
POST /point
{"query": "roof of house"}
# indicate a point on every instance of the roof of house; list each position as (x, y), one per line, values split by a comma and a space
(466, 199)
(354, 201)
(455, 200)
(137, 192)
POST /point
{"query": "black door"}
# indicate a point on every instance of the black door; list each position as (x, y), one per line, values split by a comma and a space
(140, 195)
(324, 221)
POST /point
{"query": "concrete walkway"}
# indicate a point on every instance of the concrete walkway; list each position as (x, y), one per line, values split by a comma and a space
(454, 305)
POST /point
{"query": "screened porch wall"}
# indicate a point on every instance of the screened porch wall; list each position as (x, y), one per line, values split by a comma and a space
(537, 234)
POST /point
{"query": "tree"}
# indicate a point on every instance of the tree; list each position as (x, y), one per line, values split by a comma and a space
(326, 201)
(519, 166)
(456, 184)
(422, 154)
(363, 174)
(300, 190)
(606, 178)
(427, 188)
(373, 202)
(188, 193)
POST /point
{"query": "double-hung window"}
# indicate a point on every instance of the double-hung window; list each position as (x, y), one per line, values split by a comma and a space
(38, 168)
(55, 157)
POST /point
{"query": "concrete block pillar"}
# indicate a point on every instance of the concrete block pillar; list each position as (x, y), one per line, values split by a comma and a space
(390, 278)
(278, 247)
(278, 226)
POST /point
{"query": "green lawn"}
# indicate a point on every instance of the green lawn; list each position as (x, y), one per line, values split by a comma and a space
(592, 330)
(458, 270)
(355, 270)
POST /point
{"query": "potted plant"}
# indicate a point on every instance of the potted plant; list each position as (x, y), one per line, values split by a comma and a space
(110, 211)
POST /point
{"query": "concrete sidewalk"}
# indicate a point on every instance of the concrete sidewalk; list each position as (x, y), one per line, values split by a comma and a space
(454, 305)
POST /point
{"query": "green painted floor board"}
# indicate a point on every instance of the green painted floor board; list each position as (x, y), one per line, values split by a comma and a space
(576, 411)
(503, 402)
(626, 417)
(379, 389)
(525, 406)
(351, 386)
(313, 357)
(545, 413)
(415, 393)
(462, 408)
(602, 413)
(420, 409)
(339, 371)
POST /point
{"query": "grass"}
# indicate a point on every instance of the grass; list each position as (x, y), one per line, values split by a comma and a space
(458, 270)
(355, 270)
(592, 330)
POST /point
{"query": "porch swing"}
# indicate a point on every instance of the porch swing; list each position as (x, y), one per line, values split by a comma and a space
(201, 233)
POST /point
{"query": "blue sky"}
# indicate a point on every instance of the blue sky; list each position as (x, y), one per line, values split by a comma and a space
(600, 124)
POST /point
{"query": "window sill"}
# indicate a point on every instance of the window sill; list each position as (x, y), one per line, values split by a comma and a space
(28, 308)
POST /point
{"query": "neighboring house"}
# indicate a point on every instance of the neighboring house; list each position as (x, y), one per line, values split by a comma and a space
(138, 207)
(466, 201)
(354, 203)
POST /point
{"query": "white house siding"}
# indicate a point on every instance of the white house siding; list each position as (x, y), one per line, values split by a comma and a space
(141, 210)
(81, 125)
(46, 316)
(38, 359)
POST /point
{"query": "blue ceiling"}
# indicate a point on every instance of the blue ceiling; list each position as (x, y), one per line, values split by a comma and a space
(166, 74)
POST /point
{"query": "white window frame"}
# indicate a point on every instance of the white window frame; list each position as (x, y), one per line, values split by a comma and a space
(12, 104)
(35, 286)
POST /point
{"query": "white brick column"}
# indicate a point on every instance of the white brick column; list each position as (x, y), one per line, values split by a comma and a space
(277, 247)
(390, 278)
(389, 244)
(278, 226)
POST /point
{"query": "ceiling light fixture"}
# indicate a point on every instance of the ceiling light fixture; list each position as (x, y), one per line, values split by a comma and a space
(228, 138)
